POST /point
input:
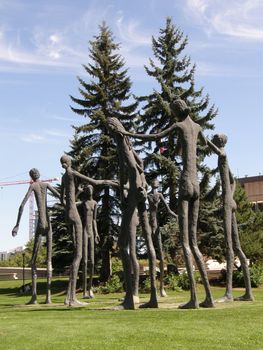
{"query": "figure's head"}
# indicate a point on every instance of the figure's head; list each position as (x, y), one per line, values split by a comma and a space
(181, 110)
(219, 140)
(155, 183)
(115, 125)
(89, 190)
(34, 174)
(65, 161)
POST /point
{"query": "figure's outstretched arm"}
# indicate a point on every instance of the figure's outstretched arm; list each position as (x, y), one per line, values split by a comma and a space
(214, 147)
(20, 211)
(93, 182)
(53, 190)
(62, 193)
(151, 137)
(168, 207)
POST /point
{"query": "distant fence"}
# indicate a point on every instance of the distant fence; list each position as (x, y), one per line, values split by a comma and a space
(9, 273)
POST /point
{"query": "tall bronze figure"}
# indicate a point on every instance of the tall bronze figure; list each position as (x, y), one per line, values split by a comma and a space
(230, 223)
(154, 199)
(43, 229)
(131, 166)
(68, 194)
(188, 198)
(88, 212)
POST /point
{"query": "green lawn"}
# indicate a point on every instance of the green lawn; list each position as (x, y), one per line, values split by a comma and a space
(229, 326)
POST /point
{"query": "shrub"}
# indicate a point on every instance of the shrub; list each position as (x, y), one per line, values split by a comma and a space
(113, 285)
(256, 276)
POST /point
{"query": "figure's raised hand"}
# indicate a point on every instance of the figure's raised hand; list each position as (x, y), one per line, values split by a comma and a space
(97, 239)
(15, 230)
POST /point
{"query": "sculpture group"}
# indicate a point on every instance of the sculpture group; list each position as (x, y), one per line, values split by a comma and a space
(134, 196)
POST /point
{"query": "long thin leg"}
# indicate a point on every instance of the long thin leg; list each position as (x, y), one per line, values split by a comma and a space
(124, 239)
(71, 293)
(134, 260)
(159, 246)
(49, 264)
(84, 263)
(37, 242)
(91, 248)
(193, 218)
(183, 228)
(228, 296)
(153, 303)
(248, 296)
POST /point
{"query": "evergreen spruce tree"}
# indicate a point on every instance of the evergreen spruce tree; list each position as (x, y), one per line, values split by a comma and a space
(105, 92)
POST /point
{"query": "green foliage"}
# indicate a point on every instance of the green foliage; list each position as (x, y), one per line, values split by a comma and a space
(250, 225)
(113, 285)
(256, 277)
(171, 280)
(180, 281)
(16, 259)
(116, 265)
(146, 285)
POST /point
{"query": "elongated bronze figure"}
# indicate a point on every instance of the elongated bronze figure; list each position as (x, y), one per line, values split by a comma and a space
(132, 166)
(43, 229)
(88, 213)
(68, 192)
(154, 199)
(230, 223)
(188, 198)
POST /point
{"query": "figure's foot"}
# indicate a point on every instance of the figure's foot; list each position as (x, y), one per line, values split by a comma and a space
(224, 299)
(150, 305)
(76, 302)
(163, 293)
(90, 294)
(190, 305)
(48, 301)
(136, 299)
(207, 303)
(32, 302)
(245, 297)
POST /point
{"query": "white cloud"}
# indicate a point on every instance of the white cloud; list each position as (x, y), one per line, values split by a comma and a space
(237, 18)
(33, 138)
(130, 33)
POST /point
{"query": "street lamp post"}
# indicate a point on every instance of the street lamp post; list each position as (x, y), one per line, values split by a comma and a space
(23, 255)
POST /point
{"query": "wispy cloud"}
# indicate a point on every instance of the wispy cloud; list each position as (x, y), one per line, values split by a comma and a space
(33, 138)
(237, 18)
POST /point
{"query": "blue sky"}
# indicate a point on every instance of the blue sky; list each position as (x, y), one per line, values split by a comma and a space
(44, 43)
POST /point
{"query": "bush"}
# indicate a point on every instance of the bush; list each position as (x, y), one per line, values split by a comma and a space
(171, 280)
(146, 285)
(256, 276)
(113, 285)
(180, 281)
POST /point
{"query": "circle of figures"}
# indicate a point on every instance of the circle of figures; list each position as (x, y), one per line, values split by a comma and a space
(81, 214)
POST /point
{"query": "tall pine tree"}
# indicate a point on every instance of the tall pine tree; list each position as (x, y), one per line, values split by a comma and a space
(105, 93)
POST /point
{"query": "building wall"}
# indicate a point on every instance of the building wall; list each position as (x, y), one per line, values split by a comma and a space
(253, 187)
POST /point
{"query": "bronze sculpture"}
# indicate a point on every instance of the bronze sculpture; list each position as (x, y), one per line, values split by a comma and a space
(88, 212)
(68, 193)
(230, 223)
(154, 199)
(189, 196)
(43, 229)
(131, 166)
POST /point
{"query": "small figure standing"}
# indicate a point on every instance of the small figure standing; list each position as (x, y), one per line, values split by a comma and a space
(154, 199)
(43, 229)
(88, 213)
(230, 223)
